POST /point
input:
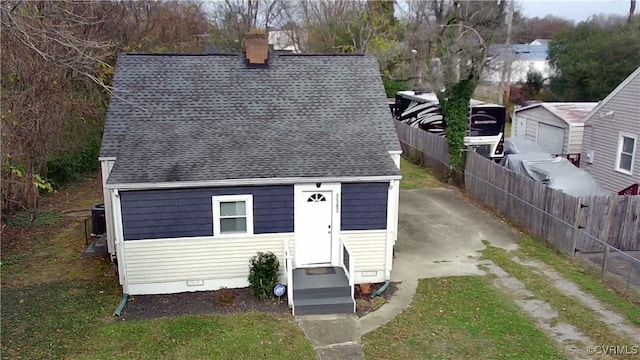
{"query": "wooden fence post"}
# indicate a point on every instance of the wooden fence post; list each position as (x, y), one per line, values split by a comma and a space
(604, 260)
(576, 226)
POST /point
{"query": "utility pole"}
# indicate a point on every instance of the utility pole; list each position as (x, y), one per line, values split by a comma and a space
(508, 65)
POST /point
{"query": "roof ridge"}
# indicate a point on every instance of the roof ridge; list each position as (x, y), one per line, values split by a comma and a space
(179, 54)
(238, 54)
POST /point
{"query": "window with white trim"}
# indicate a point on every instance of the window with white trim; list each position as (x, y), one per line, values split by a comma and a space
(626, 153)
(232, 215)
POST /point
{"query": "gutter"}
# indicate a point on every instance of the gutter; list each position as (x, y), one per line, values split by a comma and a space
(249, 182)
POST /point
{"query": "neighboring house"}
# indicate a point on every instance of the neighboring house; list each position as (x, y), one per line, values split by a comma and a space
(524, 58)
(544, 42)
(208, 159)
(285, 40)
(556, 126)
(612, 132)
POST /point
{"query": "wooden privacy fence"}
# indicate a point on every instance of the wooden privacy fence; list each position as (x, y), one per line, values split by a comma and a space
(430, 150)
(569, 223)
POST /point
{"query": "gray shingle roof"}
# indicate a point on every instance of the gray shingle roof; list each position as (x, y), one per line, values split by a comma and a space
(209, 117)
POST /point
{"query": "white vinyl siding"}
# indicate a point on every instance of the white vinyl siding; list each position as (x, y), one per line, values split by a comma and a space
(576, 134)
(626, 153)
(369, 248)
(619, 113)
(203, 258)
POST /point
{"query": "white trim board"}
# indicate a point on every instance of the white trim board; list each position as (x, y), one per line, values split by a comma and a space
(215, 206)
(173, 287)
(634, 154)
(249, 182)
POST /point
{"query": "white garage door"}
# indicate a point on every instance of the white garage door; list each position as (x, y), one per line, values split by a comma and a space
(551, 138)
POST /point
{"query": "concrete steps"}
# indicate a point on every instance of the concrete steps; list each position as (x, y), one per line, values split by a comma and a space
(320, 291)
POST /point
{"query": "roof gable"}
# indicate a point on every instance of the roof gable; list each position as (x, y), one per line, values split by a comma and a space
(611, 95)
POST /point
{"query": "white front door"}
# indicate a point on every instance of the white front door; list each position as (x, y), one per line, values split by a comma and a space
(314, 236)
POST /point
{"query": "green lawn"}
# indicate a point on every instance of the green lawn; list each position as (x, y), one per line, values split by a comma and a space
(240, 336)
(73, 320)
(56, 304)
(417, 177)
(460, 318)
(569, 310)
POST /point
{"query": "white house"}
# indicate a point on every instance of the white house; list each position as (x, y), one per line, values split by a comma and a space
(524, 58)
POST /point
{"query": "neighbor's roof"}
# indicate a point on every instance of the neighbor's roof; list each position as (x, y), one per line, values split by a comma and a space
(210, 117)
(526, 52)
(540, 42)
(573, 113)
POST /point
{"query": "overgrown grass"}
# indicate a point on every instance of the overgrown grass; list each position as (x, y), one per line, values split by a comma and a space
(569, 309)
(416, 177)
(31, 218)
(583, 277)
(460, 318)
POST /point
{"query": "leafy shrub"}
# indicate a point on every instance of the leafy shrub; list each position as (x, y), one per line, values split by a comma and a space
(224, 297)
(391, 87)
(67, 167)
(263, 275)
(31, 218)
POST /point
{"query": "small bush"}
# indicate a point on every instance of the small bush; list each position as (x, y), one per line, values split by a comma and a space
(224, 297)
(263, 275)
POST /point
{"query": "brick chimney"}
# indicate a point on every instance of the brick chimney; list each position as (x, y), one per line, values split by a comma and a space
(256, 45)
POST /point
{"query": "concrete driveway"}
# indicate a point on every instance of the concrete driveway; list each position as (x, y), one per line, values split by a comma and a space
(440, 234)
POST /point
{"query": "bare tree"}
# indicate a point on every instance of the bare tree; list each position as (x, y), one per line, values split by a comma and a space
(632, 10)
(450, 39)
(57, 60)
(341, 26)
(234, 18)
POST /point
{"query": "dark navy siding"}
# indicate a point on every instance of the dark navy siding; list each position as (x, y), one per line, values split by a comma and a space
(156, 214)
(364, 206)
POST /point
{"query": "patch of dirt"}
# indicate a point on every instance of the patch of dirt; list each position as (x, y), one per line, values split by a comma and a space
(570, 338)
(364, 303)
(199, 302)
(616, 322)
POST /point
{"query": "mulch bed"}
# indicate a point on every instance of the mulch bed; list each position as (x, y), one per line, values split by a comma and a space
(200, 302)
(364, 303)
(204, 302)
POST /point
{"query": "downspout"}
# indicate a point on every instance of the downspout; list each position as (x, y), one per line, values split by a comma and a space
(387, 281)
(120, 307)
(380, 291)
